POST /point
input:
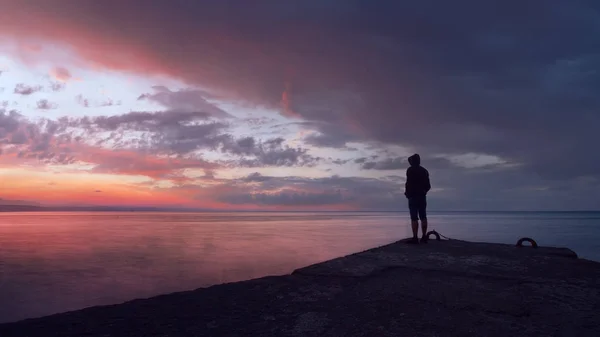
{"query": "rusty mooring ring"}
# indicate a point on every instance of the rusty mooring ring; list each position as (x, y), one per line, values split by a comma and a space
(530, 240)
(437, 235)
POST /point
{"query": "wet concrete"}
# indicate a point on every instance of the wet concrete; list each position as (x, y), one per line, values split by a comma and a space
(443, 288)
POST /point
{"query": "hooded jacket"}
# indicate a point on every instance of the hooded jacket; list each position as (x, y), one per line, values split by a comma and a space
(417, 178)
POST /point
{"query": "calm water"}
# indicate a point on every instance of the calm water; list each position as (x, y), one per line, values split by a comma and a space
(54, 262)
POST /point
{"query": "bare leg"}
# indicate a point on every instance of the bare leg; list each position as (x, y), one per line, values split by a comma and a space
(415, 228)
(424, 227)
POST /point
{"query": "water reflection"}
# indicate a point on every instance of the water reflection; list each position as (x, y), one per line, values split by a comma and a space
(57, 262)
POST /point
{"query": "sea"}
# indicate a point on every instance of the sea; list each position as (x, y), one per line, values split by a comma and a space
(55, 262)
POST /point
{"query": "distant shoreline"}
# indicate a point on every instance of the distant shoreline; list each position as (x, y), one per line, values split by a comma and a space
(34, 208)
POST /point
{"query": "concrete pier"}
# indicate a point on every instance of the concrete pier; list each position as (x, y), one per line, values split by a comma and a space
(443, 288)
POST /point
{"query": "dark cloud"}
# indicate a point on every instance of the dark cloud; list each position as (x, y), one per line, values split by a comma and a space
(256, 177)
(387, 164)
(166, 131)
(18, 138)
(57, 142)
(43, 141)
(454, 164)
(183, 133)
(192, 101)
(272, 152)
(242, 146)
(333, 134)
(516, 190)
(141, 121)
(452, 191)
(26, 90)
(340, 161)
(9, 121)
(361, 193)
(44, 104)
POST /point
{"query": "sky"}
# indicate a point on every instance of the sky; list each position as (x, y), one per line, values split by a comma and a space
(300, 105)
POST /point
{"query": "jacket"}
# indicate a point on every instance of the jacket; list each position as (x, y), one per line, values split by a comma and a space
(417, 178)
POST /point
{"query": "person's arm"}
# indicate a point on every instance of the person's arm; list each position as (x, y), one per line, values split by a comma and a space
(408, 186)
(427, 182)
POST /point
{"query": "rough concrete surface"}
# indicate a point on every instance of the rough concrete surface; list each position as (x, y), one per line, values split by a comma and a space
(443, 288)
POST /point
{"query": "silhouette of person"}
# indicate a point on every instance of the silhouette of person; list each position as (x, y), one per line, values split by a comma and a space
(416, 188)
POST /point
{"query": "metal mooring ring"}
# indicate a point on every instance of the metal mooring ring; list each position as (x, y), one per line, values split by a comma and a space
(530, 240)
(437, 236)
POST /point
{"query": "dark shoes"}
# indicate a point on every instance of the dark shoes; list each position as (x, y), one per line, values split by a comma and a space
(413, 241)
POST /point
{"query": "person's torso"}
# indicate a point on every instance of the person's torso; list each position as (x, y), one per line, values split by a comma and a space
(418, 179)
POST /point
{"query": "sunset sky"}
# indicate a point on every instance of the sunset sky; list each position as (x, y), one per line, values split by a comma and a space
(300, 105)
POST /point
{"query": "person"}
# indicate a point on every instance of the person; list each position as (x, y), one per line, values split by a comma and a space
(416, 188)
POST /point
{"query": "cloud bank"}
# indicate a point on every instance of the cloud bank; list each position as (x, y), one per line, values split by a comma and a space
(455, 81)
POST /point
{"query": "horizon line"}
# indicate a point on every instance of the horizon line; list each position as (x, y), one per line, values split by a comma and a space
(40, 208)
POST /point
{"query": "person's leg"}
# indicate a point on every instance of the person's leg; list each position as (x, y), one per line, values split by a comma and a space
(415, 228)
(414, 219)
(423, 217)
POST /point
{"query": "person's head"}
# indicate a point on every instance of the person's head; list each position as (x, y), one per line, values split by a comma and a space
(414, 160)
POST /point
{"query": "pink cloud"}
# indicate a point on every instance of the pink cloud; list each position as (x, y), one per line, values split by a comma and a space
(127, 162)
(61, 74)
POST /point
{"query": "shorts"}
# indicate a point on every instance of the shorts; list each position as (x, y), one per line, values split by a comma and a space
(418, 208)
